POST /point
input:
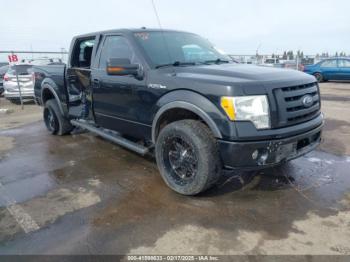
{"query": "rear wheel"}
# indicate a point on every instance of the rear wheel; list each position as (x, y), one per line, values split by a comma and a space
(55, 122)
(188, 157)
(319, 77)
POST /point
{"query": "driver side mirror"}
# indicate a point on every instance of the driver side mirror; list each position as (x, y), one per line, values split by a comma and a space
(123, 67)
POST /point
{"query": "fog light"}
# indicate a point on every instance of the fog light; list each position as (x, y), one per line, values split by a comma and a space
(262, 159)
(255, 154)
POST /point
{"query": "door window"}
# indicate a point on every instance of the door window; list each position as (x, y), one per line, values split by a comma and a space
(329, 63)
(82, 53)
(344, 63)
(116, 47)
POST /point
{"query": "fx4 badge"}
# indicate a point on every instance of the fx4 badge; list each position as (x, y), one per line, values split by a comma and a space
(156, 86)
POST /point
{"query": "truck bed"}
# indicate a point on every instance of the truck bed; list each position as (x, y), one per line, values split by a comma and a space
(55, 73)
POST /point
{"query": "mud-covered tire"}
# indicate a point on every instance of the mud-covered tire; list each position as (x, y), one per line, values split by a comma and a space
(55, 122)
(201, 148)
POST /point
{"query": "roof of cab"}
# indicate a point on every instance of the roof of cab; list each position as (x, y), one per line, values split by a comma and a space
(126, 30)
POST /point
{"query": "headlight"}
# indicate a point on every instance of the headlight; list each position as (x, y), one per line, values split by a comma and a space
(248, 108)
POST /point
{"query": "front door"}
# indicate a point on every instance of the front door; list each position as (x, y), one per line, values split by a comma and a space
(115, 100)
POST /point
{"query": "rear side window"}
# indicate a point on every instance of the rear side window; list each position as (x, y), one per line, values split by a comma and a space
(21, 70)
(82, 53)
(344, 63)
(116, 47)
(329, 63)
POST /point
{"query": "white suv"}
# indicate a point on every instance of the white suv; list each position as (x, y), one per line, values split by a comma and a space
(25, 81)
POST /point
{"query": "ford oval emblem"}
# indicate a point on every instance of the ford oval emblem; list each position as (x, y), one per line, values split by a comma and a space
(307, 101)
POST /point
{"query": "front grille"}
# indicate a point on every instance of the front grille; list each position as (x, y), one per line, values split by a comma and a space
(291, 109)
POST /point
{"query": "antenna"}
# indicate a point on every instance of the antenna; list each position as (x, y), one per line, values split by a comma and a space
(156, 13)
(161, 30)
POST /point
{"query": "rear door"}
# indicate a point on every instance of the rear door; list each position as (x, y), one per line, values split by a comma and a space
(344, 67)
(329, 69)
(79, 71)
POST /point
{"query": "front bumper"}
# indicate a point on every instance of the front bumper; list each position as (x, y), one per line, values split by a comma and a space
(267, 153)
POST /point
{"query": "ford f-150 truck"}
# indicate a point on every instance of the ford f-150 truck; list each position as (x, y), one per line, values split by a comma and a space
(174, 95)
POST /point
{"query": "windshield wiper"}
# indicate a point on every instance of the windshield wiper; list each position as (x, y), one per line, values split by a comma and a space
(216, 61)
(177, 63)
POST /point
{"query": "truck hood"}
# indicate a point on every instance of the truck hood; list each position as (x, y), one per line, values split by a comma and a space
(240, 74)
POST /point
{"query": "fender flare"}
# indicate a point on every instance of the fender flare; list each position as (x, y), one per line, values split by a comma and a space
(47, 86)
(190, 107)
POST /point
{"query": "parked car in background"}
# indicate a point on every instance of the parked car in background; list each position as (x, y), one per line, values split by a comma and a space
(308, 61)
(330, 69)
(3, 70)
(45, 61)
(270, 62)
(290, 64)
(25, 80)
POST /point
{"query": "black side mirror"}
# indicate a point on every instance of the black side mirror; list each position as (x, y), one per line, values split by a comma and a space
(123, 67)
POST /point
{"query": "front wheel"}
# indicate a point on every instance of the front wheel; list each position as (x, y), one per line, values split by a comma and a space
(55, 122)
(188, 157)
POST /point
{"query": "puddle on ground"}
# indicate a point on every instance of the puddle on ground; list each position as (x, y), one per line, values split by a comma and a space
(136, 203)
(269, 200)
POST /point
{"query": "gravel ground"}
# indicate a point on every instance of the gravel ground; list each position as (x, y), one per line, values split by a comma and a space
(335, 106)
(15, 116)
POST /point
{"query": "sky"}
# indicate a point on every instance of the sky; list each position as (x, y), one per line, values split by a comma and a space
(237, 27)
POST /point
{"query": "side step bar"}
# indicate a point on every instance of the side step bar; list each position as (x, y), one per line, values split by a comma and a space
(112, 136)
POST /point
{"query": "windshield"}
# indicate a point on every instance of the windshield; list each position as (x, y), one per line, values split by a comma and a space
(21, 69)
(169, 47)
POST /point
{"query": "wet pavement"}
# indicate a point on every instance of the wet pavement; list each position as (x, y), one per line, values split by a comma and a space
(81, 194)
(85, 195)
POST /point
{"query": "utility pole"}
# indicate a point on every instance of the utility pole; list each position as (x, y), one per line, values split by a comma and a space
(62, 51)
(18, 85)
(31, 49)
(257, 53)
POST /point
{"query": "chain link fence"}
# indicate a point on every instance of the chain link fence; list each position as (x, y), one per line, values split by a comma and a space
(279, 61)
(28, 56)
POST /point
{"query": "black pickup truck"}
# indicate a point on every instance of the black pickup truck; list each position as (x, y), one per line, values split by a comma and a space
(173, 94)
